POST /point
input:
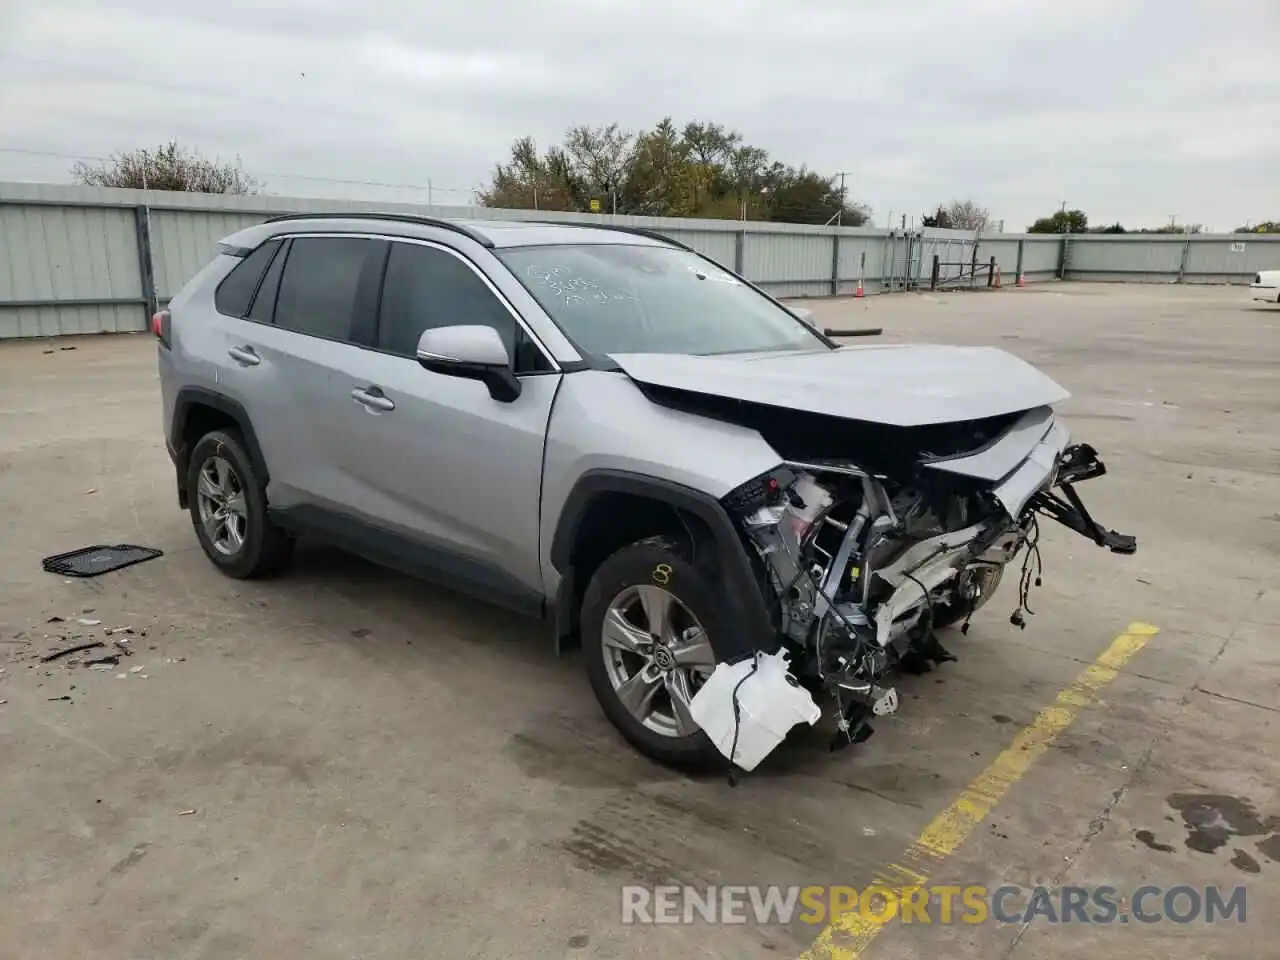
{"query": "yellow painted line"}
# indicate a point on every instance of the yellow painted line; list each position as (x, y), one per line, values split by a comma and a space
(849, 934)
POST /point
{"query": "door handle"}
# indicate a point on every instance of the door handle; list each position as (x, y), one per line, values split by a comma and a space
(244, 356)
(372, 398)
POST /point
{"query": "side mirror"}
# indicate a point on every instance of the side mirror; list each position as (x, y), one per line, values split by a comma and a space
(804, 313)
(473, 352)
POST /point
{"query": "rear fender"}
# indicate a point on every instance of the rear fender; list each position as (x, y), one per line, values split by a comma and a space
(188, 406)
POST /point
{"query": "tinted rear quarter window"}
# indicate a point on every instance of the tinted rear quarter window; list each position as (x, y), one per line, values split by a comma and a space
(320, 283)
(236, 289)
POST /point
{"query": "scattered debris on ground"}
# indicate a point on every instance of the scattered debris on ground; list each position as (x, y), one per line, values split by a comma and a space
(67, 651)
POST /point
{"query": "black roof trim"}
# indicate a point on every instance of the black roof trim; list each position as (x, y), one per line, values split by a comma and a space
(401, 217)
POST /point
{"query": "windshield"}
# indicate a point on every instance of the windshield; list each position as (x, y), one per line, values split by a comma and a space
(627, 298)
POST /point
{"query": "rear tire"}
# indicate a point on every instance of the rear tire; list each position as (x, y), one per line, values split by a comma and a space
(653, 678)
(228, 506)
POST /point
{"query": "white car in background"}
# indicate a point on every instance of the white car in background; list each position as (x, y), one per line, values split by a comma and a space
(1266, 286)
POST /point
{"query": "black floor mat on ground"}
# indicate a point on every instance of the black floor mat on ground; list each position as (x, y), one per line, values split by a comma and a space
(91, 561)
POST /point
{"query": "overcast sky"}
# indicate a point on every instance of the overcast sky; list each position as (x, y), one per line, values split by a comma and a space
(1133, 110)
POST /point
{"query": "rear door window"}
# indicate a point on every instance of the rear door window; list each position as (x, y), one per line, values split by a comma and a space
(320, 286)
(236, 290)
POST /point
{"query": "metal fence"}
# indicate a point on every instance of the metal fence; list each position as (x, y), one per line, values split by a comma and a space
(93, 260)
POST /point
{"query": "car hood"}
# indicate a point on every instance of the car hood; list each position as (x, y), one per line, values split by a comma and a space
(897, 385)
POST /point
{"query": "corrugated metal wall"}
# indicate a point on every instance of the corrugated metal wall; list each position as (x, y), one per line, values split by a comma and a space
(861, 256)
(70, 270)
(183, 241)
(789, 265)
(1140, 259)
(1040, 257)
(74, 266)
(1215, 259)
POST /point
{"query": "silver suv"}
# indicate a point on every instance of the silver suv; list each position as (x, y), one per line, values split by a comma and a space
(605, 429)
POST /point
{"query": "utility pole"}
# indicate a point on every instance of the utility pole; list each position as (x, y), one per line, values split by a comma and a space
(840, 213)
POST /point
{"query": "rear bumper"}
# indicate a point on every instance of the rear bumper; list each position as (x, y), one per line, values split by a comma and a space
(1264, 293)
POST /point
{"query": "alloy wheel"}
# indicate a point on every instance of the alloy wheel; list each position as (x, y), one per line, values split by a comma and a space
(656, 656)
(221, 504)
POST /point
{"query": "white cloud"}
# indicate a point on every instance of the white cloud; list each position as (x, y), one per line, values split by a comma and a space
(1129, 109)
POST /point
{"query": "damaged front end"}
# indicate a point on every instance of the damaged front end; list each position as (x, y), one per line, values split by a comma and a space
(864, 558)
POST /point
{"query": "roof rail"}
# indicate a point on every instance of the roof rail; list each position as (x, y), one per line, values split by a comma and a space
(466, 231)
(617, 228)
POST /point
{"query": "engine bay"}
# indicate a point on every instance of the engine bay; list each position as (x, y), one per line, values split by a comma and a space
(862, 564)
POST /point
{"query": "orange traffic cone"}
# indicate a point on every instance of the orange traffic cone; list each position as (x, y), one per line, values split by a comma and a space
(997, 276)
(858, 294)
(1021, 282)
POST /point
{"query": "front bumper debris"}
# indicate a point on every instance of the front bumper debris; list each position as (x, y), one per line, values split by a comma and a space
(1080, 462)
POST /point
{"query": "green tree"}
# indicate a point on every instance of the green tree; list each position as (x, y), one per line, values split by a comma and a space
(533, 181)
(698, 170)
(602, 158)
(657, 180)
(167, 167)
(1266, 226)
(1064, 221)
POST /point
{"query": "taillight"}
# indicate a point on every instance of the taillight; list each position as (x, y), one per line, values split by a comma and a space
(160, 326)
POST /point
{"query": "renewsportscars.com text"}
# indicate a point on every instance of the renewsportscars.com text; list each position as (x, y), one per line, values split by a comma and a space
(942, 904)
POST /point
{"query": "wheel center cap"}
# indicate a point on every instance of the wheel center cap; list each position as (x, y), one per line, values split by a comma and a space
(663, 659)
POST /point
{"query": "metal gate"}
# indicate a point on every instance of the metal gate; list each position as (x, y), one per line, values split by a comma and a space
(909, 260)
(903, 261)
(959, 260)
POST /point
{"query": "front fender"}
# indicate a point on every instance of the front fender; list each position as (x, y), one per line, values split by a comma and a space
(743, 597)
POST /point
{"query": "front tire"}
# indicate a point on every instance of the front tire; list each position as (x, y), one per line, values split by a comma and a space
(228, 505)
(648, 616)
